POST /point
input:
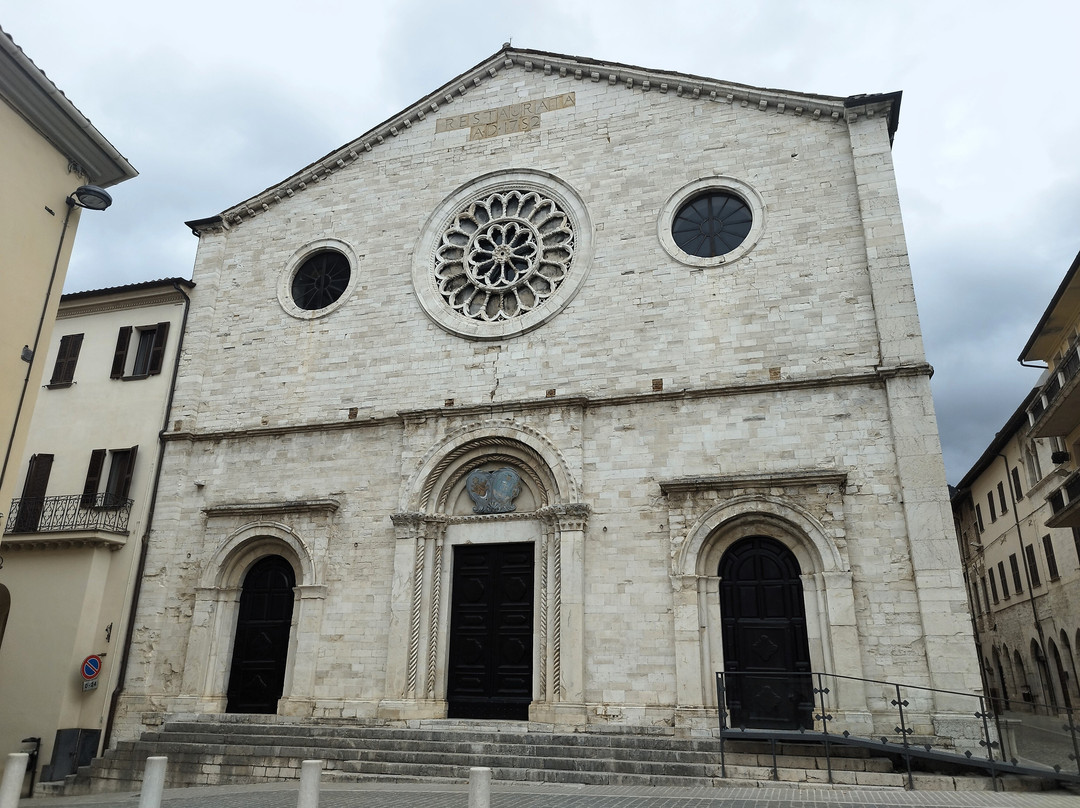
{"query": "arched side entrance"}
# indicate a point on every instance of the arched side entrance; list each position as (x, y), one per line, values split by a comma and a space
(261, 643)
(766, 652)
(265, 570)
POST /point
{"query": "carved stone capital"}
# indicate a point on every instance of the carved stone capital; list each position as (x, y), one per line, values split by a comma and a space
(571, 515)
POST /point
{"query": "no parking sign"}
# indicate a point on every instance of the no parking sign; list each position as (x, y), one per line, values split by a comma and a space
(91, 667)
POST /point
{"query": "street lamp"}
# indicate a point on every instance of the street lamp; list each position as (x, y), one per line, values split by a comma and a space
(91, 197)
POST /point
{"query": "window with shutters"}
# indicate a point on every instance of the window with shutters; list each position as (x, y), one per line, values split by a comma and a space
(140, 351)
(1004, 580)
(1016, 573)
(1001, 498)
(117, 483)
(993, 508)
(993, 585)
(1033, 567)
(1051, 558)
(1016, 483)
(67, 356)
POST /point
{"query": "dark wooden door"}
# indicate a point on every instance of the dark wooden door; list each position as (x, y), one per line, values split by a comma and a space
(766, 653)
(491, 625)
(262, 637)
(32, 503)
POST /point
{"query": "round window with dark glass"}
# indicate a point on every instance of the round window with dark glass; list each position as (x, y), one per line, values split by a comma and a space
(321, 280)
(711, 224)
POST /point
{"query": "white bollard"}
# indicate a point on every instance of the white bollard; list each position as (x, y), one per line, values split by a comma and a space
(11, 785)
(479, 787)
(310, 773)
(153, 782)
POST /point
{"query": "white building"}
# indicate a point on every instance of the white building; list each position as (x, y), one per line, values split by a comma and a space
(557, 392)
(74, 536)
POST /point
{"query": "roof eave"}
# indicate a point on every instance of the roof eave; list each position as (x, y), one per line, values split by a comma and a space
(1035, 349)
(40, 102)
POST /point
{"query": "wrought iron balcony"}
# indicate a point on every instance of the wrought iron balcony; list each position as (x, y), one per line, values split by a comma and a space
(1056, 410)
(1065, 503)
(104, 513)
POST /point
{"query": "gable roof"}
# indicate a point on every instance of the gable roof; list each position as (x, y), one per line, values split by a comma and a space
(630, 77)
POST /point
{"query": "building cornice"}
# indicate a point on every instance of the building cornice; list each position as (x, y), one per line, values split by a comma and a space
(871, 378)
(827, 109)
(26, 88)
(779, 479)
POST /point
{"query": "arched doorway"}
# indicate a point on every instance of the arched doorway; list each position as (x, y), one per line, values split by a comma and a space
(766, 651)
(261, 647)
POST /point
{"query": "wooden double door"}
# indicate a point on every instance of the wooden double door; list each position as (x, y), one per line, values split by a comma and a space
(766, 652)
(491, 631)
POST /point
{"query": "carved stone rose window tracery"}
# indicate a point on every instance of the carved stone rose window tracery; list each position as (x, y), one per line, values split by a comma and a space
(503, 254)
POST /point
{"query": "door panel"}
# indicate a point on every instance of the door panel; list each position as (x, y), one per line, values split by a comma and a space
(491, 612)
(262, 637)
(766, 652)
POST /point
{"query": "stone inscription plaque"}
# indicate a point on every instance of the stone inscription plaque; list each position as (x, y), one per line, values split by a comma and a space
(521, 117)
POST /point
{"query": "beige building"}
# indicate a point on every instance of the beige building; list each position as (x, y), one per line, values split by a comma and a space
(1018, 520)
(50, 151)
(1022, 574)
(75, 534)
(561, 390)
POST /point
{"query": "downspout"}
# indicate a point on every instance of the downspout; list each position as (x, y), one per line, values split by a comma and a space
(114, 701)
(37, 339)
(1027, 568)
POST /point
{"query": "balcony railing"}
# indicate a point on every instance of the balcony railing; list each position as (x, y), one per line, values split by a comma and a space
(1062, 378)
(103, 512)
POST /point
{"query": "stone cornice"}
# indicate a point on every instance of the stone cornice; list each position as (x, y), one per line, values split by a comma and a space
(68, 311)
(61, 541)
(269, 508)
(874, 377)
(726, 482)
(828, 109)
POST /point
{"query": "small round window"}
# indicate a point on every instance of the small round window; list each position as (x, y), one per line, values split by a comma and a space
(321, 280)
(712, 224)
(318, 279)
(711, 221)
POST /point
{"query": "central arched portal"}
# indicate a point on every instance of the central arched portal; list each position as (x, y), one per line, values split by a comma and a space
(766, 652)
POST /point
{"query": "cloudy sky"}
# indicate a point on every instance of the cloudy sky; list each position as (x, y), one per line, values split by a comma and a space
(212, 102)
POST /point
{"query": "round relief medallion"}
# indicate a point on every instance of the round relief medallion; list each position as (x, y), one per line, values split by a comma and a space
(502, 255)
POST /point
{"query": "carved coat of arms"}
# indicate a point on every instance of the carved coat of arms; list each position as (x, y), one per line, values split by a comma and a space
(493, 491)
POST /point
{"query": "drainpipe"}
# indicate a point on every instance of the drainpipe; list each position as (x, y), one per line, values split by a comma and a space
(1027, 568)
(114, 702)
(37, 339)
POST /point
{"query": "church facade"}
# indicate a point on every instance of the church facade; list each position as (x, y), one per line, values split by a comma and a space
(567, 387)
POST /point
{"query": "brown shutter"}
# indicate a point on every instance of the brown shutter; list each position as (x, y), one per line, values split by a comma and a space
(125, 485)
(120, 355)
(66, 357)
(93, 478)
(157, 352)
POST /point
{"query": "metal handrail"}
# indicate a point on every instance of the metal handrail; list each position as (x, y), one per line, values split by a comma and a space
(106, 513)
(994, 742)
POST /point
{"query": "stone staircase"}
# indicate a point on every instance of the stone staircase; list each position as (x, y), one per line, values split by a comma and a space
(212, 750)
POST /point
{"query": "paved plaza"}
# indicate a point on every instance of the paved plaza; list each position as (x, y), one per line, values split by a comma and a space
(511, 795)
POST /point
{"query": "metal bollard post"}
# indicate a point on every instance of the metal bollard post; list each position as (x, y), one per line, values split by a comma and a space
(479, 787)
(310, 772)
(153, 782)
(11, 785)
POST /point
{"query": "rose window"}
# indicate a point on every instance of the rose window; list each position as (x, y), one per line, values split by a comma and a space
(503, 255)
